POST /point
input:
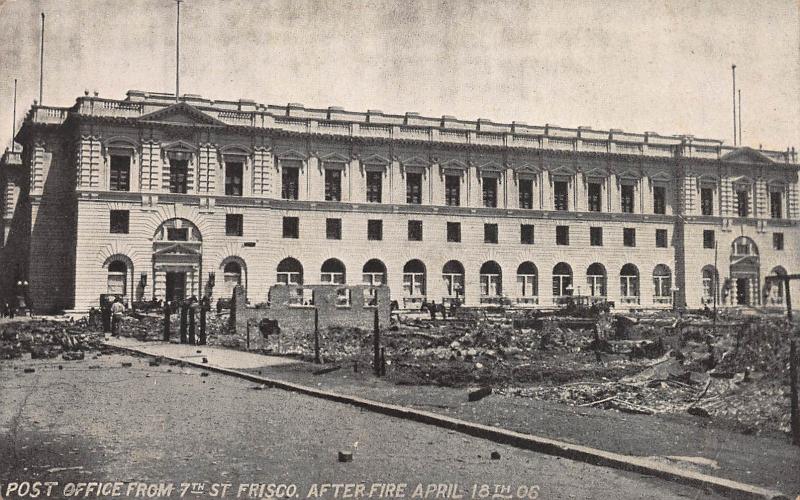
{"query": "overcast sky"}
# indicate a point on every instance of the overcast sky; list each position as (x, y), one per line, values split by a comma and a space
(661, 66)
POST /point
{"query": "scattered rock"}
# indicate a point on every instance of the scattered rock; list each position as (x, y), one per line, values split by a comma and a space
(345, 456)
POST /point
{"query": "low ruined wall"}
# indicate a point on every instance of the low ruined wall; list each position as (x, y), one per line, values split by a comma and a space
(293, 306)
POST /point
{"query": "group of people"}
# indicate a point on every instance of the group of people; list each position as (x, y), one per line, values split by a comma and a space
(11, 307)
(432, 307)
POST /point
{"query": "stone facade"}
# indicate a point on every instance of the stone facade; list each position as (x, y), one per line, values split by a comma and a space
(162, 199)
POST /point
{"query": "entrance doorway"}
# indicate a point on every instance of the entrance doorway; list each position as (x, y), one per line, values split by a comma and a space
(742, 291)
(176, 285)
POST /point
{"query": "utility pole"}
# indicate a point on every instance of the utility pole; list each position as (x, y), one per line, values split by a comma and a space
(41, 63)
(178, 51)
(733, 70)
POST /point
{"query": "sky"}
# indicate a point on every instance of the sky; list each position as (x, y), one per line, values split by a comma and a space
(646, 65)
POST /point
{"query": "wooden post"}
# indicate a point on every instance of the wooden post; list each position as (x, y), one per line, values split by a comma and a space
(247, 344)
(192, 309)
(787, 285)
(795, 414)
(184, 310)
(376, 339)
(204, 308)
(167, 312)
(317, 358)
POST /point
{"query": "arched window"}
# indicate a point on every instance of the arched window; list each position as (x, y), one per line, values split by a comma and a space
(662, 284)
(527, 282)
(333, 271)
(596, 279)
(743, 246)
(491, 279)
(629, 284)
(374, 273)
(117, 278)
(562, 280)
(453, 276)
(414, 279)
(290, 272)
(231, 276)
(710, 285)
(774, 288)
(178, 230)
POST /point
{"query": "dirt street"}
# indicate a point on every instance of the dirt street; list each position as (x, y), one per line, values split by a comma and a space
(103, 420)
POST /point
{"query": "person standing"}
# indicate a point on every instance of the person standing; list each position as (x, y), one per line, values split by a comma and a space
(117, 308)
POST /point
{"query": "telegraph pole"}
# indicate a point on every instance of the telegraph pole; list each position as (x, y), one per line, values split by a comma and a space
(178, 50)
(733, 70)
(41, 63)
(740, 118)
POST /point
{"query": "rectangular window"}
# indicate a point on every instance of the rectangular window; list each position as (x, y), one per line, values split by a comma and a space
(119, 177)
(290, 183)
(233, 178)
(526, 234)
(596, 236)
(629, 237)
(374, 186)
(291, 227)
(489, 186)
(177, 234)
(561, 195)
(776, 204)
(333, 185)
(562, 235)
(454, 232)
(452, 190)
(595, 197)
(178, 176)
(119, 221)
(659, 200)
(490, 233)
(414, 188)
(343, 297)
(708, 238)
(661, 238)
(333, 229)
(777, 241)
(742, 202)
(626, 198)
(374, 230)
(525, 193)
(707, 201)
(234, 224)
(415, 230)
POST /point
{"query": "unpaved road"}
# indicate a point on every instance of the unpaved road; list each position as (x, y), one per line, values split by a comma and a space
(97, 420)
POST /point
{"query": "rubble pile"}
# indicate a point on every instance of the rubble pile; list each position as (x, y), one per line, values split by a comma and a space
(47, 339)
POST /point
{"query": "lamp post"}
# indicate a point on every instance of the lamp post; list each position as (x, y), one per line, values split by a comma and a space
(22, 295)
(674, 298)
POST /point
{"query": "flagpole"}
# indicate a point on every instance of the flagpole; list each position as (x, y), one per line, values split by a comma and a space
(178, 51)
(41, 63)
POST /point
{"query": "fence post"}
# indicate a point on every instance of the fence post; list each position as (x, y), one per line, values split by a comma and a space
(247, 345)
(192, 310)
(317, 359)
(204, 308)
(795, 414)
(376, 339)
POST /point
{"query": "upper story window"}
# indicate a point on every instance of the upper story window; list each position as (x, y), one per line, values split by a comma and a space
(629, 237)
(178, 175)
(707, 200)
(596, 236)
(415, 230)
(659, 199)
(452, 190)
(375, 230)
(291, 227)
(234, 178)
(333, 229)
(562, 235)
(120, 173)
(490, 233)
(561, 195)
(595, 197)
(776, 204)
(743, 200)
(454, 232)
(119, 221)
(489, 191)
(333, 184)
(234, 225)
(627, 194)
(414, 188)
(290, 179)
(374, 186)
(525, 193)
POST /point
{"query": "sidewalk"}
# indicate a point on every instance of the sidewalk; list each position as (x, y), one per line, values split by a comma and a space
(688, 443)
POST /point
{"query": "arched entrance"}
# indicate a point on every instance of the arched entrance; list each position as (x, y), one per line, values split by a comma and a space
(177, 257)
(745, 272)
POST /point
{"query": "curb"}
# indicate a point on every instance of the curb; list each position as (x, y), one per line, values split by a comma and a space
(579, 453)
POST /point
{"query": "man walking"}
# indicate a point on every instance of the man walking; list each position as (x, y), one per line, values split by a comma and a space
(117, 308)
